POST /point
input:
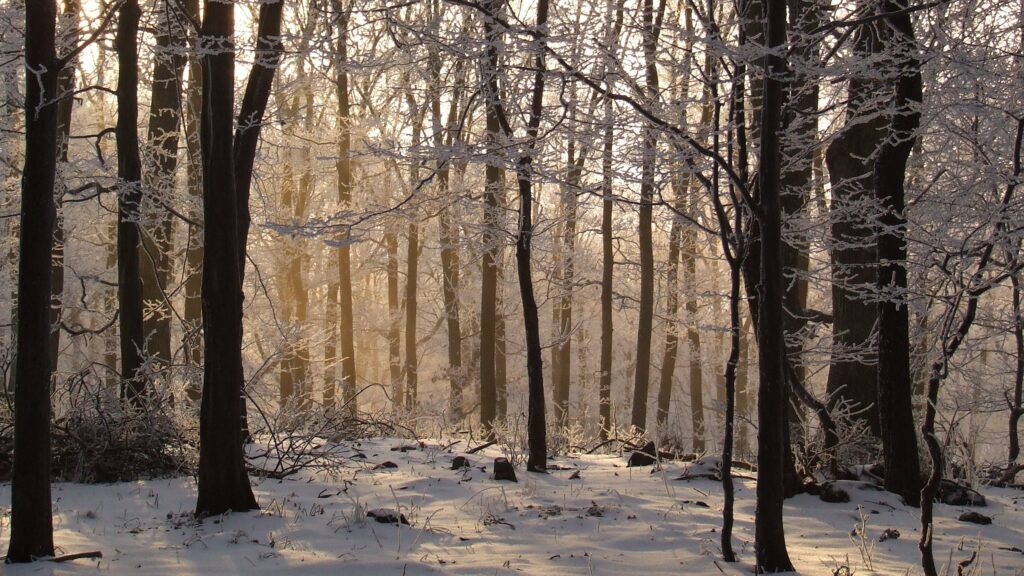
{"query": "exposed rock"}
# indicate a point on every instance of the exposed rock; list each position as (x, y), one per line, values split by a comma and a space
(889, 534)
(387, 516)
(646, 456)
(833, 494)
(955, 494)
(407, 448)
(386, 465)
(503, 470)
(975, 518)
(460, 462)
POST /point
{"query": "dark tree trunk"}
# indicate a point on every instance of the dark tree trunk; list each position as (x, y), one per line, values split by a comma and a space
(735, 252)
(193, 313)
(161, 167)
(129, 174)
(269, 51)
(448, 233)
(493, 183)
(500, 357)
(394, 321)
(668, 361)
(345, 184)
(411, 293)
(31, 520)
(852, 376)
(65, 85)
(769, 533)
(1017, 404)
(563, 348)
(536, 429)
(728, 492)
(800, 121)
(896, 412)
(331, 345)
(223, 483)
(645, 321)
(696, 372)
(607, 239)
(607, 277)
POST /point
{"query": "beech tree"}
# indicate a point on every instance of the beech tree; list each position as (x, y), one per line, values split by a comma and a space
(31, 521)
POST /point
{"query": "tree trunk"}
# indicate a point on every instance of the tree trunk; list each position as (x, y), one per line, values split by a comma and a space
(800, 121)
(645, 322)
(613, 28)
(668, 362)
(852, 376)
(500, 344)
(743, 392)
(129, 174)
(412, 260)
(31, 520)
(696, 375)
(161, 174)
(448, 233)
(491, 238)
(269, 51)
(769, 533)
(1017, 404)
(607, 276)
(331, 345)
(563, 373)
(896, 412)
(735, 347)
(536, 430)
(223, 482)
(394, 320)
(65, 85)
(193, 313)
(343, 167)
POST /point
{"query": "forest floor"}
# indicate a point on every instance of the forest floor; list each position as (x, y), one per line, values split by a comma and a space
(610, 520)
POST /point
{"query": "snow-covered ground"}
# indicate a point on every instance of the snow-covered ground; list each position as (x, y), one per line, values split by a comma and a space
(610, 520)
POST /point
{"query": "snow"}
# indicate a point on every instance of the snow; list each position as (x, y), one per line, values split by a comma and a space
(612, 520)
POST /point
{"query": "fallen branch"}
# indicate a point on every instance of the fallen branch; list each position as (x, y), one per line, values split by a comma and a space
(78, 556)
(481, 447)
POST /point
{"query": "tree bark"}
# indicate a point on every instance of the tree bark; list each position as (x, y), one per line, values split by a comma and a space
(563, 347)
(223, 483)
(668, 362)
(607, 276)
(394, 321)
(613, 28)
(536, 430)
(193, 313)
(896, 412)
(269, 51)
(852, 376)
(344, 252)
(65, 85)
(129, 198)
(31, 520)
(160, 176)
(494, 180)
(444, 135)
(411, 293)
(769, 532)
(1017, 404)
(645, 321)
